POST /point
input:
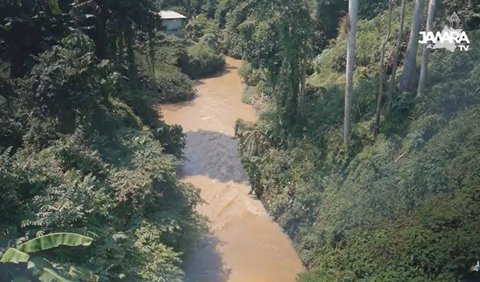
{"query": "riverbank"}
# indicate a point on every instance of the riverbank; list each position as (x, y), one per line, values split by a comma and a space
(244, 243)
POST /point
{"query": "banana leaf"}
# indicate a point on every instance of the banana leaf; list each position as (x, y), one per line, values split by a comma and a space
(14, 256)
(44, 270)
(54, 240)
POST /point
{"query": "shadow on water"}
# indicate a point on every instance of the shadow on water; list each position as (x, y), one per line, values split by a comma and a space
(210, 154)
(226, 70)
(206, 265)
(214, 155)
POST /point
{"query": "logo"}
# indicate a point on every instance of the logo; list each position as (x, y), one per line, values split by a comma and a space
(450, 38)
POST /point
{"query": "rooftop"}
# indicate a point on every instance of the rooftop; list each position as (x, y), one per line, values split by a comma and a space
(171, 15)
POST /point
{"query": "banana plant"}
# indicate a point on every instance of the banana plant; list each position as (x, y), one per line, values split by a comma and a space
(42, 268)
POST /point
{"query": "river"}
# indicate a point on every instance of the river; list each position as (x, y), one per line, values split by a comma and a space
(245, 244)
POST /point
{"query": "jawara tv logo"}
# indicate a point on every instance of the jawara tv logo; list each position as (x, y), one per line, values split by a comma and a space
(450, 38)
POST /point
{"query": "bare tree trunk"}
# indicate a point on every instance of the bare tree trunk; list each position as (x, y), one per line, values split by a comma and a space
(410, 66)
(381, 92)
(352, 24)
(393, 76)
(424, 70)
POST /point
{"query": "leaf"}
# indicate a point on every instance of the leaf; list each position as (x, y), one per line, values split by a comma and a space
(43, 269)
(54, 7)
(54, 240)
(48, 275)
(14, 256)
(82, 274)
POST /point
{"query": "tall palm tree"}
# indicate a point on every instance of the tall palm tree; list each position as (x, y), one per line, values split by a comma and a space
(424, 69)
(410, 67)
(396, 57)
(381, 92)
(352, 34)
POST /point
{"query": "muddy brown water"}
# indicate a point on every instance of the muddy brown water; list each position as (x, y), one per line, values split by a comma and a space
(245, 244)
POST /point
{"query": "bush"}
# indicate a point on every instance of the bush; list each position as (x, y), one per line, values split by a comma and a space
(250, 75)
(173, 86)
(250, 94)
(202, 61)
(161, 74)
(201, 26)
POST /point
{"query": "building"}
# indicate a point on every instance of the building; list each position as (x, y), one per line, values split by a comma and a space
(172, 22)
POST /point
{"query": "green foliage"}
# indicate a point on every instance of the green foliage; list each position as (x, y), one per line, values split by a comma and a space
(93, 158)
(69, 84)
(114, 26)
(199, 27)
(468, 11)
(250, 75)
(162, 77)
(222, 10)
(192, 7)
(13, 255)
(40, 267)
(250, 95)
(203, 61)
(393, 208)
(279, 43)
(173, 87)
(54, 240)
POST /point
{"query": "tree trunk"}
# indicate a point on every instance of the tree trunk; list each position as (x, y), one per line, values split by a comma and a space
(352, 24)
(424, 69)
(393, 76)
(410, 66)
(302, 87)
(381, 92)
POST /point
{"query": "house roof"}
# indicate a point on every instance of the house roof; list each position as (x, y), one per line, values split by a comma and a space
(171, 15)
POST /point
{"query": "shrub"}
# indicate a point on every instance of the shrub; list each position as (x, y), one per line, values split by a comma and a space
(160, 73)
(203, 61)
(69, 84)
(250, 75)
(201, 26)
(173, 86)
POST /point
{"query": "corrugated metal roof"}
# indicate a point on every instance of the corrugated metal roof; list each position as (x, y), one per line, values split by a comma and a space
(171, 15)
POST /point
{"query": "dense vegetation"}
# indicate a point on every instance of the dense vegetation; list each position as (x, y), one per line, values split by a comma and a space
(82, 149)
(397, 204)
(395, 199)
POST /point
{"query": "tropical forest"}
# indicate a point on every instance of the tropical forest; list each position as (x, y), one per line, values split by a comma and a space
(239, 140)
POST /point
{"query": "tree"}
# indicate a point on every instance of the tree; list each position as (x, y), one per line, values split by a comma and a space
(352, 28)
(424, 68)
(396, 57)
(27, 27)
(115, 26)
(382, 71)
(279, 42)
(410, 66)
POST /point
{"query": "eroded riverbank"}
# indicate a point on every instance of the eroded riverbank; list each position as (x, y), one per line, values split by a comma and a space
(245, 245)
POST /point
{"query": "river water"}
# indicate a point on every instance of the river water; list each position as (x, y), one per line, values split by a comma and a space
(244, 244)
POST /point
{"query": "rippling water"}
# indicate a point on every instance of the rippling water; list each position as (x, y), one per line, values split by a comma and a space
(244, 245)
